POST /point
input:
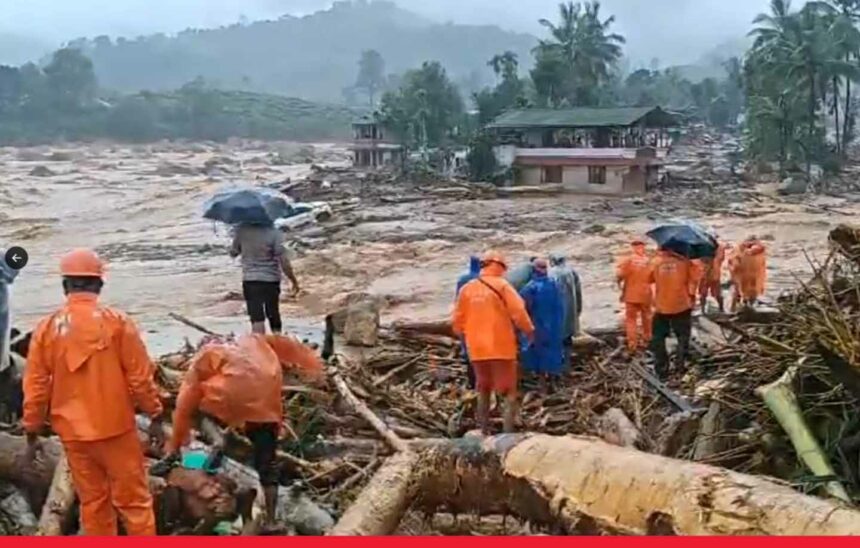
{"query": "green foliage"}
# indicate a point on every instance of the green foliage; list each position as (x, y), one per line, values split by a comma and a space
(70, 80)
(60, 103)
(481, 159)
(427, 110)
(510, 91)
(371, 74)
(576, 63)
(794, 78)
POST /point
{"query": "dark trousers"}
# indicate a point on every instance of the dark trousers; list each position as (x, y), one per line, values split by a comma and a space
(665, 324)
(264, 437)
(263, 301)
(470, 373)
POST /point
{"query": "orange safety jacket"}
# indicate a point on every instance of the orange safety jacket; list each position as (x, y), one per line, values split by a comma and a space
(240, 382)
(89, 366)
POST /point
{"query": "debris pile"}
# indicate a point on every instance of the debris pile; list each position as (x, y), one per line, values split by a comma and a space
(388, 439)
(785, 392)
(701, 158)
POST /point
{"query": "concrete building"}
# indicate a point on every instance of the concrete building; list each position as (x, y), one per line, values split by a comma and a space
(588, 150)
(372, 147)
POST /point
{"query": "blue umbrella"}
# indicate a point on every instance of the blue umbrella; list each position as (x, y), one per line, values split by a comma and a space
(249, 206)
(685, 238)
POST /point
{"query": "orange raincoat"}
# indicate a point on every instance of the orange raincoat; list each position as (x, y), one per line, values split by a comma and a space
(634, 272)
(750, 270)
(486, 316)
(676, 280)
(240, 382)
(88, 364)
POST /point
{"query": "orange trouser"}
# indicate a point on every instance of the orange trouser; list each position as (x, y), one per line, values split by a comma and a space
(633, 313)
(110, 478)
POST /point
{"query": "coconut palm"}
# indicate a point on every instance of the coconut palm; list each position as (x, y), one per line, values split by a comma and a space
(586, 48)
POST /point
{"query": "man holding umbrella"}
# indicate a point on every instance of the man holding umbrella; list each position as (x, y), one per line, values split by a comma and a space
(676, 276)
(252, 213)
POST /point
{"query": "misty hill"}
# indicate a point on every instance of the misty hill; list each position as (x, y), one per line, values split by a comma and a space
(313, 57)
(17, 50)
(710, 65)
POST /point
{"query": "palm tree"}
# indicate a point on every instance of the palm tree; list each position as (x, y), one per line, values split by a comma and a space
(505, 64)
(565, 33)
(800, 58)
(586, 46)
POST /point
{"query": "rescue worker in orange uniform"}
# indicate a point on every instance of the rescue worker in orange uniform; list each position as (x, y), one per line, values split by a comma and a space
(238, 383)
(711, 285)
(487, 310)
(633, 275)
(750, 270)
(89, 368)
(676, 281)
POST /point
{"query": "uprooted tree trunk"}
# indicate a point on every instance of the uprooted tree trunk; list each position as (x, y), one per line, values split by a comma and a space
(573, 484)
(782, 402)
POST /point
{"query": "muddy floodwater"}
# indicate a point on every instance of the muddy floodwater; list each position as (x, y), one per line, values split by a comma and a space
(140, 207)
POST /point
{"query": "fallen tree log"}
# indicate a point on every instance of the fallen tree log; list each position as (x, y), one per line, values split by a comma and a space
(361, 409)
(527, 190)
(441, 327)
(782, 402)
(382, 503)
(582, 485)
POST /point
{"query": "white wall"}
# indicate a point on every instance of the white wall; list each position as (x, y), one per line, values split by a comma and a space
(505, 155)
(529, 176)
(575, 179)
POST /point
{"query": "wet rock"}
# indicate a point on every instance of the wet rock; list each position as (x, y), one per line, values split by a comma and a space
(617, 429)
(594, 229)
(168, 169)
(362, 324)
(30, 155)
(60, 156)
(41, 171)
(792, 186)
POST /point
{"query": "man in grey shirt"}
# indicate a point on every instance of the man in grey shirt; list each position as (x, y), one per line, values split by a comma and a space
(263, 260)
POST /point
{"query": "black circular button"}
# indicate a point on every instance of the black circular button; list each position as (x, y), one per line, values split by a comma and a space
(16, 257)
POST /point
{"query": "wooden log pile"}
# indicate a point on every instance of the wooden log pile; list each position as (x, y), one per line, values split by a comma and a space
(772, 393)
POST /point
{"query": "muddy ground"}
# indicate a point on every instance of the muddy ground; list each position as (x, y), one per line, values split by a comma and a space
(140, 207)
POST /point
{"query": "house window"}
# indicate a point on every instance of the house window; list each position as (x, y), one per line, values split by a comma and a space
(597, 175)
(552, 174)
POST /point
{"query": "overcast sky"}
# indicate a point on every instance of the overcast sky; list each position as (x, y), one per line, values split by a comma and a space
(675, 31)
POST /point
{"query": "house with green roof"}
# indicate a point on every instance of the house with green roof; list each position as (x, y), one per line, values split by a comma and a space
(590, 150)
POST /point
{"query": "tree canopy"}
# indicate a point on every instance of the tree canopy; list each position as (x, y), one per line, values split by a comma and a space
(426, 110)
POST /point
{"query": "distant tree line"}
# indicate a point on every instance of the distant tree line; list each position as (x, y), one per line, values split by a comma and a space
(62, 100)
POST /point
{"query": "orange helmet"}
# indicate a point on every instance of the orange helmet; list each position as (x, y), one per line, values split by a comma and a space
(82, 262)
(493, 257)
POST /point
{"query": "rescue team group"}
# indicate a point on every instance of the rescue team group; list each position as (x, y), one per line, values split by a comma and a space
(503, 329)
(88, 370)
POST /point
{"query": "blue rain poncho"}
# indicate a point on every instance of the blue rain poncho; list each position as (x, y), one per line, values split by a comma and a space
(571, 294)
(472, 274)
(546, 354)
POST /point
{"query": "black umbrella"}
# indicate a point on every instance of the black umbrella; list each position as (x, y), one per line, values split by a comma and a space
(249, 206)
(685, 238)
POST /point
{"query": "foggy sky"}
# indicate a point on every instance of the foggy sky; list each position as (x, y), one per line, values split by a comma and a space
(674, 31)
